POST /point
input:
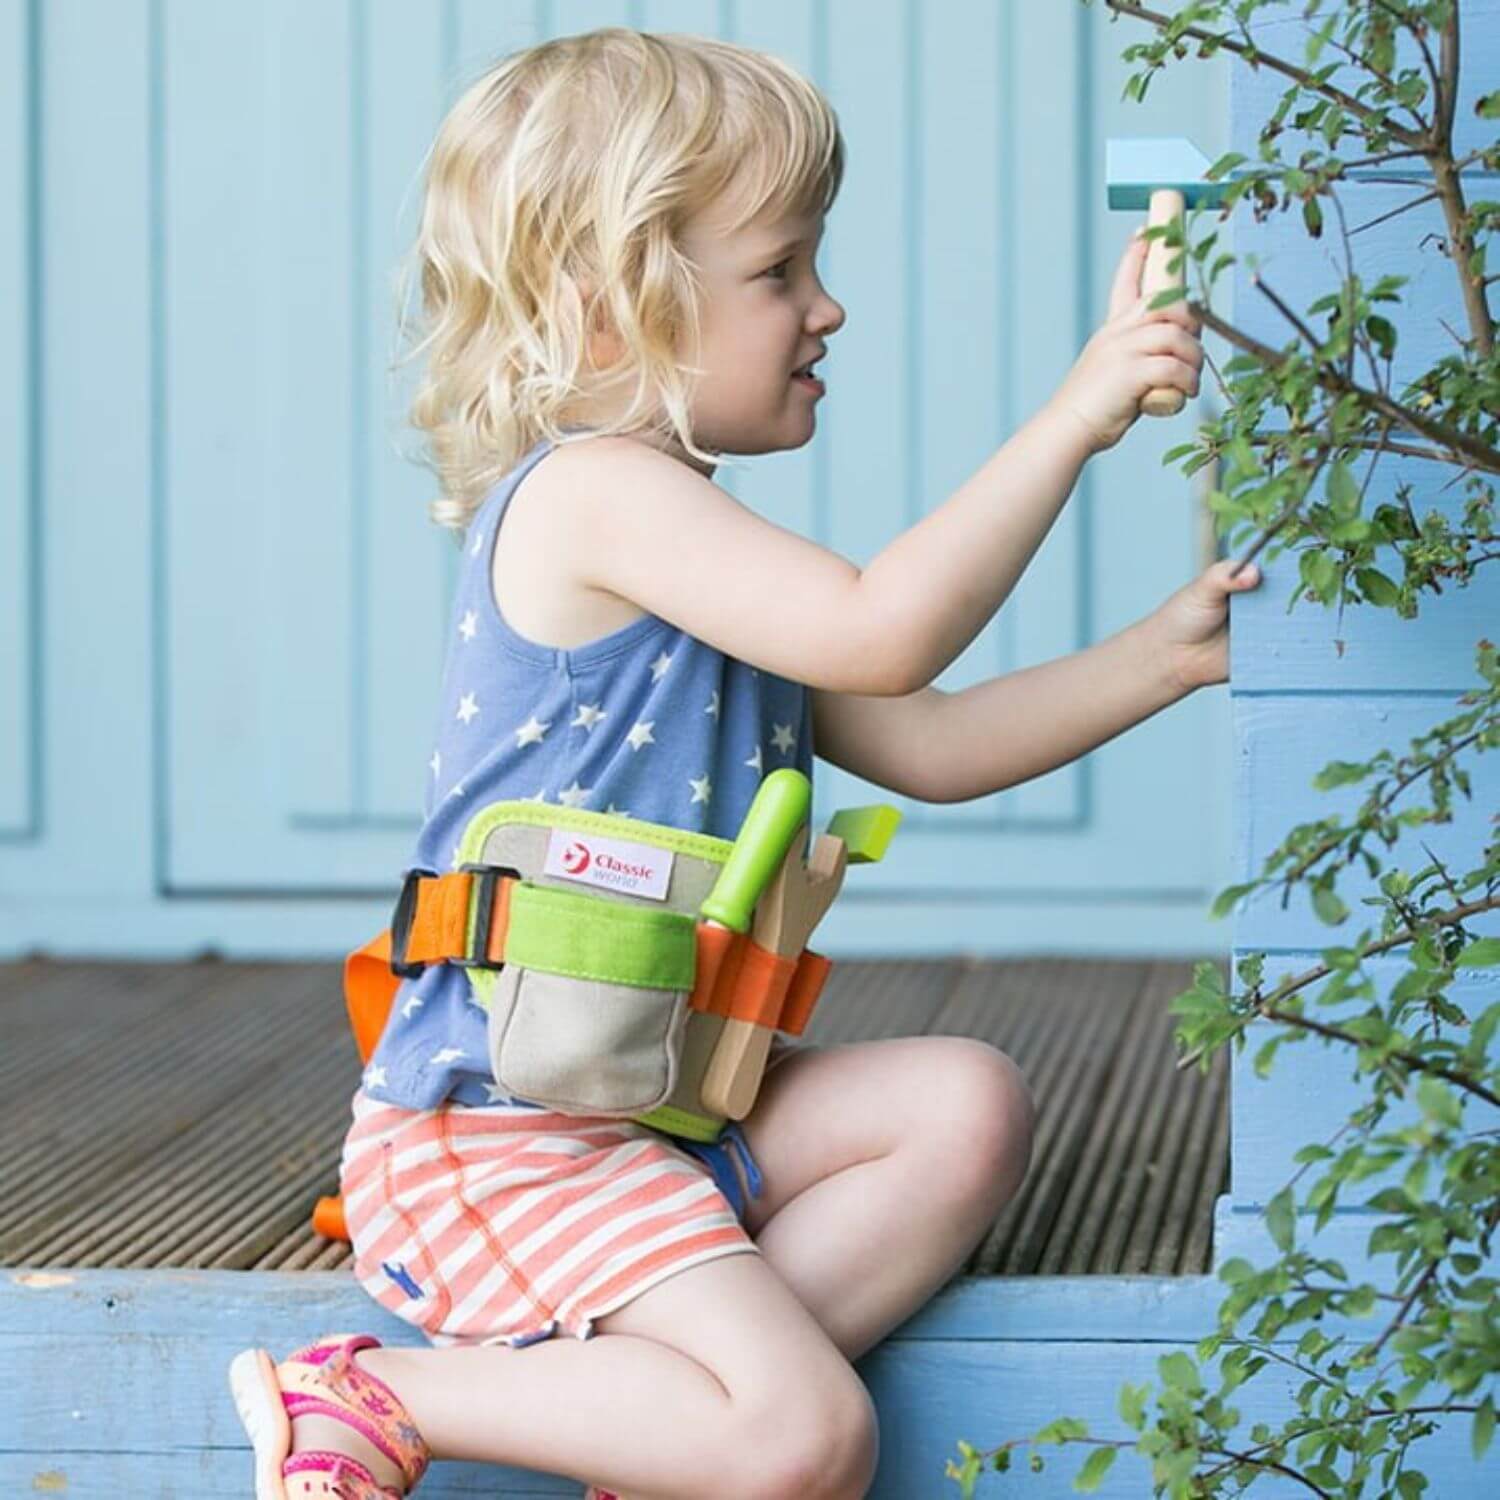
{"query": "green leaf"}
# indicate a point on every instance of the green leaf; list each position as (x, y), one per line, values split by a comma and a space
(1378, 589)
(1482, 953)
(1384, 334)
(1227, 898)
(1060, 1430)
(1281, 1215)
(1484, 1426)
(1438, 1102)
(1337, 772)
(1133, 1404)
(1328, 906)
(1179, 1372)
(1487, 106)
(1264, 1057)
(1226, 163)
(1342, 491)
(1090, 1475)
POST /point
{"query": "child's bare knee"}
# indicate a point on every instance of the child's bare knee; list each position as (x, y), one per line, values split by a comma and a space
(815, 1441)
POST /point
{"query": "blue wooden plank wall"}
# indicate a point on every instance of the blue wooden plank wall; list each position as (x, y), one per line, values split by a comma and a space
(1309, 687)
(223, 603)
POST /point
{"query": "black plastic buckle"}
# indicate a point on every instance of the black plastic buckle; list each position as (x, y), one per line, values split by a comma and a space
(401, 920)
(486, 878)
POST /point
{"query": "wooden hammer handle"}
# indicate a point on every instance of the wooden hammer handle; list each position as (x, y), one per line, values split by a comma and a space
(1166, 204)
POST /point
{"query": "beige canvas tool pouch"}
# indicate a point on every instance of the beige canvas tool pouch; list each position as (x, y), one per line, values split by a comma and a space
(590, 1014)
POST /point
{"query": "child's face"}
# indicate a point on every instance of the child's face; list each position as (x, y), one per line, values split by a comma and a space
(765, 314)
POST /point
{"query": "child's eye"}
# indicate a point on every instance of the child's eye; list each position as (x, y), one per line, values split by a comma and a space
(779, 266)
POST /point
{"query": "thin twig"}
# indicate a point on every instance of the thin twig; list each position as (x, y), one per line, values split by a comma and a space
(1487, 459)
(1314, 342)
(1392, 213)
(1290, 986)
(1410, 449)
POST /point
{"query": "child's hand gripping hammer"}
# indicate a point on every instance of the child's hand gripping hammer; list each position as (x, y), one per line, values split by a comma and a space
(1165, 176)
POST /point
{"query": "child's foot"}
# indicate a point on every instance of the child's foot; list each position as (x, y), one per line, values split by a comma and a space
(316, 1434)
(322, 1425)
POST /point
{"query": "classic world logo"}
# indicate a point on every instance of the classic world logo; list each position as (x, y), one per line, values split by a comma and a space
(612, 864)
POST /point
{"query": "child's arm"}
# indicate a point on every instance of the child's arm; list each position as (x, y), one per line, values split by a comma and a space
(942, 746)
(950, 747)
(1009, 729)
(655, 532)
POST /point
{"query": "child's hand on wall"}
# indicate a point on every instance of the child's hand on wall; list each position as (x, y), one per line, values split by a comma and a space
(1134, 350)
(1192, 626)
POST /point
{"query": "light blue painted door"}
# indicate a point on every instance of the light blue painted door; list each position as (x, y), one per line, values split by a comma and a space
(279, 574)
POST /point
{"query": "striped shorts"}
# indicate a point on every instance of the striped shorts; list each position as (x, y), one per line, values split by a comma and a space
(501, 1224)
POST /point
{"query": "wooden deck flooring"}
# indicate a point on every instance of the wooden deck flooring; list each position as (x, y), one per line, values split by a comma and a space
(220, 1095)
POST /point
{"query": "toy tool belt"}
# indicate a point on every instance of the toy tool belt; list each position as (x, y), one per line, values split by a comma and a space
(483, 916)
(606, 994)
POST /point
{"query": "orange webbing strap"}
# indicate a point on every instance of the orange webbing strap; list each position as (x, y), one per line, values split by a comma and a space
(802, 994)
(740, 980)
(439, 930)
(369, 989)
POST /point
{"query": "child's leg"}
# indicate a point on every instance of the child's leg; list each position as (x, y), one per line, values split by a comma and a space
(883, 1164)
(724, 1385)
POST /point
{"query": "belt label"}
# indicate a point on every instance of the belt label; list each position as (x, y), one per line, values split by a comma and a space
(612, 864)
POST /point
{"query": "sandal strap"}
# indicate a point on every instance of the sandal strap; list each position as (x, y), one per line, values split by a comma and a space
(351, 1480)
(324, 1380)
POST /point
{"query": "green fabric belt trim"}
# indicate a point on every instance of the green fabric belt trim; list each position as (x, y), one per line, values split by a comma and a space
(589, 938)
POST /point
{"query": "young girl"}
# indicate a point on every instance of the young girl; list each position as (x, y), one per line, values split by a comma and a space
(617, 260)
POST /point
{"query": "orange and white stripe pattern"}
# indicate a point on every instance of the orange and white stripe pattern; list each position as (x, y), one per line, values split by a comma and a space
(502, 1224)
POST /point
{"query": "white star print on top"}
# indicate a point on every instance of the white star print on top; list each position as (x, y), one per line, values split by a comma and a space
(647, 722)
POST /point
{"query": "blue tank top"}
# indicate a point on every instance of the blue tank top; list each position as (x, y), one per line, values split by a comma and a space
(647, 721)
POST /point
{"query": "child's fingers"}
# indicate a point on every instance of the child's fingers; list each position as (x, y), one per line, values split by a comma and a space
(1125, 290)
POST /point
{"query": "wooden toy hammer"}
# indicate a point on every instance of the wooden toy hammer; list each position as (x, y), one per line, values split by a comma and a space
(1163, 175)
(790, 907)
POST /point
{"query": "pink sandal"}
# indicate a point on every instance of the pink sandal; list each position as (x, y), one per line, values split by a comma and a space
(322, 1379)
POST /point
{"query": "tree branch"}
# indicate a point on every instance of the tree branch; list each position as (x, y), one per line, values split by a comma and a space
(1447, 175)
(1481, 456)
(1256, 58)
(1297, 982)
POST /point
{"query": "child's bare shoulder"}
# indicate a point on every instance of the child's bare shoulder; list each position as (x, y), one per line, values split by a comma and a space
(536, 566)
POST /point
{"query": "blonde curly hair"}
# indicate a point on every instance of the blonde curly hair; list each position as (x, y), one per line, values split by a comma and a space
(555, 198)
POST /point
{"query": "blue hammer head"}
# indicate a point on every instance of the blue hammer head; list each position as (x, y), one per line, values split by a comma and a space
(1136, 167)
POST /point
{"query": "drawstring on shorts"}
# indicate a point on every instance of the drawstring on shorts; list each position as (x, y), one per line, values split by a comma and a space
(717, 1156)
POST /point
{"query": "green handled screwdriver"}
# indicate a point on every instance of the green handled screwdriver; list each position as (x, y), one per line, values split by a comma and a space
(781, 806)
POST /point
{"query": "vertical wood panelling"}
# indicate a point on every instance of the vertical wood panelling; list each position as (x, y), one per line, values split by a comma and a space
(97, 453)
(302, 261)
(19, 539)
(301, 594)
(406, 84)
(1048, 230)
